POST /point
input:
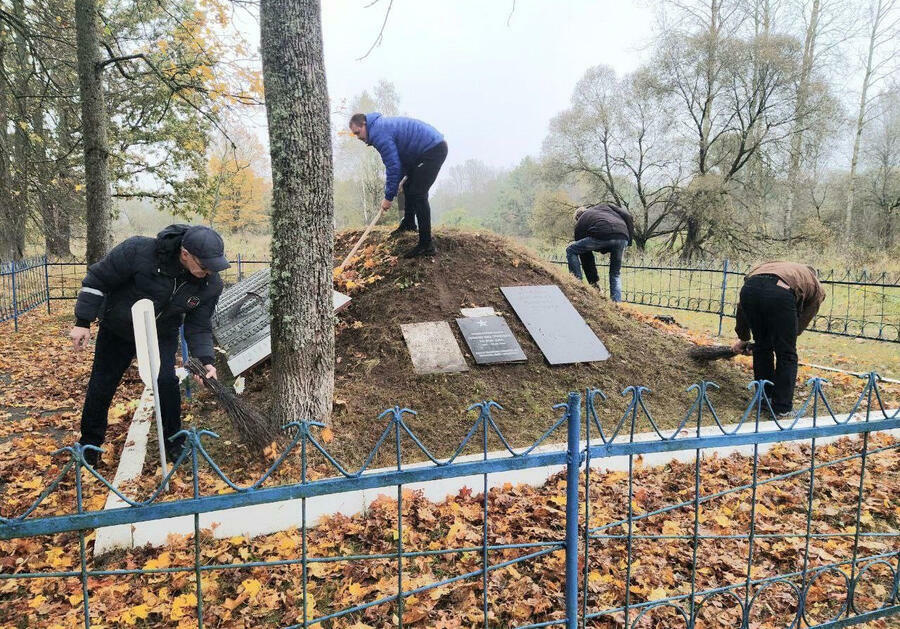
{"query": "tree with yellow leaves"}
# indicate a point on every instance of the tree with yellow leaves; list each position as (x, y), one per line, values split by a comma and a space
(239, 188)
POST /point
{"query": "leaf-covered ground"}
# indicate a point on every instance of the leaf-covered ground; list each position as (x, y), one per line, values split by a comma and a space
(530, 591)
(42, 384)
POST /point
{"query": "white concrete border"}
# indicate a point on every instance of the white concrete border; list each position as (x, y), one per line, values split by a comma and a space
(131, 464)
(269, 518)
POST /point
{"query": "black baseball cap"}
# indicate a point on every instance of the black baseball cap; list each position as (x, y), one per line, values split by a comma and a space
(207, 246)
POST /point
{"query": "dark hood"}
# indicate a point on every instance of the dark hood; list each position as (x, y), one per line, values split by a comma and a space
(168, 248)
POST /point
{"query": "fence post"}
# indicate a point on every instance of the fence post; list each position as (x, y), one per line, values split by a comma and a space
(573, 465)
(47, 280)
(15, 302)
(724, 289)
(240, 269)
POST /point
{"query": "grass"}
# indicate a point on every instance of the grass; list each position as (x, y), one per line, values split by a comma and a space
(821, 349)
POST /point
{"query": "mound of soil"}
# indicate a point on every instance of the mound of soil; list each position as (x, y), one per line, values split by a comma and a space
(374, 371)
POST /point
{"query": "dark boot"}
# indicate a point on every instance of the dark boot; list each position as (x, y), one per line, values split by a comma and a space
(173, 450)
(91, 457)
(403, 227)
(421, 250)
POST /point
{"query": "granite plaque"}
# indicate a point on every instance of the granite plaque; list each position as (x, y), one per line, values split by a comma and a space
(558, 329)
(433, 347)
(490, 340)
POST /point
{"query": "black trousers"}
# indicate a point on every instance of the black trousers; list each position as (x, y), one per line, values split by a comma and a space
(419, 180)
(771, 312)
(112, 356)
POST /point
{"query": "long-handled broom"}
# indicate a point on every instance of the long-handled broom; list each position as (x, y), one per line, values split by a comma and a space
(706, 353)
(251, 425)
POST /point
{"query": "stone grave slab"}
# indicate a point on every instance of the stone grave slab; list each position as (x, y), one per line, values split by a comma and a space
(490, 340)
(485, 311)
(433, 347)
(558, 329)
(241, 321)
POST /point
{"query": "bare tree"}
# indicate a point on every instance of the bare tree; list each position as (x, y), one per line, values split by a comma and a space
(803, 84)
(618, 136)
(826, 27)
(880, 59)
(302, 209)
(883, 153)
(734, 88)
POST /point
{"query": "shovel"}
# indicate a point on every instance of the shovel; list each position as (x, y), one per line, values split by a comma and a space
(365, 233)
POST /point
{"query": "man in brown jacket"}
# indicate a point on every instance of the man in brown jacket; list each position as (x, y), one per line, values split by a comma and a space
(778, 301)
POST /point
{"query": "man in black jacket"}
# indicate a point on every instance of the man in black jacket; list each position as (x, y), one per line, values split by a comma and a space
(178, 271)
(605, 228)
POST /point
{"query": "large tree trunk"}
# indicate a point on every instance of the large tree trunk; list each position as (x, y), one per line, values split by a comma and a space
(691, 246)
(302, 209)
(9, 212)
(93, 120)
(14, 149)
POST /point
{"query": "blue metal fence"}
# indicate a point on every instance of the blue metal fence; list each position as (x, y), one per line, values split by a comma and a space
(581, 415)
(858, 303)
(23, 287)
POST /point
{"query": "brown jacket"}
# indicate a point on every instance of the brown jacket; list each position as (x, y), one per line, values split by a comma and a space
(802, 281)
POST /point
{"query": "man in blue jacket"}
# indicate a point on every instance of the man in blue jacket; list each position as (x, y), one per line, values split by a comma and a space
(606, 228)
(410, 148)
(179, 271)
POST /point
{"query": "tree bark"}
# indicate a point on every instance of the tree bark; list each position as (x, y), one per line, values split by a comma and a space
(302, 210)
(14, 169)
(94, 123)
(9, 246)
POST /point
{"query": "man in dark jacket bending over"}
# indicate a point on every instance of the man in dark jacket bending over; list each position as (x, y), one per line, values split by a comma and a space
(778, 301)
(605, 228)
(410, 148)
(178, 271)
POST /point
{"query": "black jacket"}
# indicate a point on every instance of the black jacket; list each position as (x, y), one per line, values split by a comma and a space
(149, 268)
(605, 221)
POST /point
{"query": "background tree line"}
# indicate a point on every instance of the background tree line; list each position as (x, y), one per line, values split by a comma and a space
(739, 135)
(172, 87)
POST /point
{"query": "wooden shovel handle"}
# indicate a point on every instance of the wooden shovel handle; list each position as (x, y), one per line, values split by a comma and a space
(365, 234)
(359, 242)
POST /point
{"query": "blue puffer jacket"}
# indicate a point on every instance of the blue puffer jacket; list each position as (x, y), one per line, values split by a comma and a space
(401, 142)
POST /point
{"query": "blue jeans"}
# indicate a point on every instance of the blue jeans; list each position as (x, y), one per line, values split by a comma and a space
(581, 254)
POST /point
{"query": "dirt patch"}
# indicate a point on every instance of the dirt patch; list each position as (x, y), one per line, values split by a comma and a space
(374, 371)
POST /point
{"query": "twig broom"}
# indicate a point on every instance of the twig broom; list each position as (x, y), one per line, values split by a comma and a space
(251, 425)
(706, 353)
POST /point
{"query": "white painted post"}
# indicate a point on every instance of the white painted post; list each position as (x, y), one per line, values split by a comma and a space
(146, 343)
